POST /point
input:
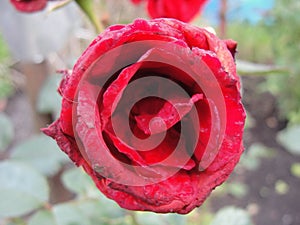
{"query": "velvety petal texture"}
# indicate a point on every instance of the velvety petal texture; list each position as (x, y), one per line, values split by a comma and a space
(184, 10)
(152, 111)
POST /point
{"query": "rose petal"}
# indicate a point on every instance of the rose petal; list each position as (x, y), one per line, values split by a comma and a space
(29, 6)
(184, 10)
(169, 115)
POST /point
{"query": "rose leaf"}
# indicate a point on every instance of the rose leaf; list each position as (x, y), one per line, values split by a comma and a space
(49, 101)
(22, 189)
(6, 134)
(42, 217)
(147, 218)
(232, 216)
(40, 152)
(289, 138)
(69, 214)
(77, 181)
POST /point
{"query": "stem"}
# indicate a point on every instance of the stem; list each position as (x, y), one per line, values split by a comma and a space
(222, 16)
(87, 6)
(19, 221)
(48, 206)
(133, 218)
(59, 5)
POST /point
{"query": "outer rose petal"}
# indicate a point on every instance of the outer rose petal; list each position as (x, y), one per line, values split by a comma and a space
(80, 130)
(184, 10)
(29, 5)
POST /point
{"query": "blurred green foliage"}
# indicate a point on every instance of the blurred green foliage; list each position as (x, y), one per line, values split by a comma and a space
(285, 23)
(232, 216)
(6, 87)
(275, 40)
(281, 187)
(254, 42)
(22, 190)
(295, 169)
(49, 101)
(289, 139)
(251, 159)
(41, 152)
(4, 52)
(89, 206)
(7, 134)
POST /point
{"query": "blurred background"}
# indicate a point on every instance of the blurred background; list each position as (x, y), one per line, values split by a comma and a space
(46, 189)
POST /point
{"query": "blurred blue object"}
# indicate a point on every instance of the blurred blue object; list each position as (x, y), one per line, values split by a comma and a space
(239, 10)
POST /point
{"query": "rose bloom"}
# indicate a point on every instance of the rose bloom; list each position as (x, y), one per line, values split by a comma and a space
(184, 10)
(29, 5)
(152, 111)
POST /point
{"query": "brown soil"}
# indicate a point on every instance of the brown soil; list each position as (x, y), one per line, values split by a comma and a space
(268, 207)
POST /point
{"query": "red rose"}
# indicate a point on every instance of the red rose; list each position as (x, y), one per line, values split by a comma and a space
(29, 5)
(184, 10)
(153, 113)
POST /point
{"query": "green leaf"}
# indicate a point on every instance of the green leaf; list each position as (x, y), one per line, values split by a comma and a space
(110, 208)
(22, 189)
(42, 217)
(281, 187)
(4, 50)
(258, 150)
(6, 84)
(264, 192)
(289, 139)
(249, 163)
(91, 211)
(251, 159)
(175, 219)
(295, 169)
(49, 101)
(250, 122)
(6, 131)
(249, 68)
(99, 211)
(42, 153)
(203, 215)
(148, 218)
(232, 216)
(238, 190)
(69, 214)
(17, 221)
(77, 181)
